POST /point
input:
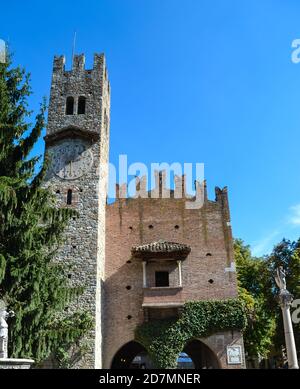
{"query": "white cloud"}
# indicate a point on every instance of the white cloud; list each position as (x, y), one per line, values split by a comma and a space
(294, 217)
(265, 245)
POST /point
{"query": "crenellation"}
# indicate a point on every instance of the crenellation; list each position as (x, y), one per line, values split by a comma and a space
(59, 64)
(99, 62)
(78, 176)
(78, 63)
(74, 84)
(98, 243)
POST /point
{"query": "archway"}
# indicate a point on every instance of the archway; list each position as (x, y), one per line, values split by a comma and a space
(200, 354)
(131, 356)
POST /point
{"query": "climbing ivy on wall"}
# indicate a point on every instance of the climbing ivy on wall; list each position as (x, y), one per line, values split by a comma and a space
(165, 339)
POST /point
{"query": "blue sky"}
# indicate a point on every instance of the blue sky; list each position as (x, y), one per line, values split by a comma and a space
(194, 81)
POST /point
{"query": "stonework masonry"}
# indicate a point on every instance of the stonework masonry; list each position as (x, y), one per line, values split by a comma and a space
(120, 288)
(84, 247)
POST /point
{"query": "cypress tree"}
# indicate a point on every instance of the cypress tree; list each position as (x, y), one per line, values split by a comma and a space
(32, 283)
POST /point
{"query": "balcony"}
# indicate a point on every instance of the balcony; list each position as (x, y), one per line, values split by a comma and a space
(162, 297)
(162, 275)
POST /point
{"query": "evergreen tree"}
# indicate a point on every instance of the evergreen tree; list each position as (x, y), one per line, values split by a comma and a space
(32, 283)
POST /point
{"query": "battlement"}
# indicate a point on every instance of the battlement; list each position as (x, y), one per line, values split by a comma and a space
(165, 189)
(79, 97)
(59, 63)
(78, 64)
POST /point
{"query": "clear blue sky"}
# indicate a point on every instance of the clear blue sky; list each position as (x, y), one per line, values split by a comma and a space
(192, 81)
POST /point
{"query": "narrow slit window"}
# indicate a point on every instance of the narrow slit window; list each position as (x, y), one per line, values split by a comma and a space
(70, 105)
(105, 122)
(161, 278)
(81, 105)
(69, 197)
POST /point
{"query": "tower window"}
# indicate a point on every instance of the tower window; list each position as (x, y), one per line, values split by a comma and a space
(105, 122)
(70, 105)
(81, 105)
(69, 197)
(161, 278)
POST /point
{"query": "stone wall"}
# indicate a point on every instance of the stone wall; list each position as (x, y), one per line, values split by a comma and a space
(92, 84)
(84, 247)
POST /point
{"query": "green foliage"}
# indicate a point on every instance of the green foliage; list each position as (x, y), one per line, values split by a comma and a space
(165, 339)
(255, 289)
(286, 254)
(264, 332)
(33, 285)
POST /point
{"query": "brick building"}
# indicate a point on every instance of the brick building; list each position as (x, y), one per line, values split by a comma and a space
(140, 259)
(160, 255)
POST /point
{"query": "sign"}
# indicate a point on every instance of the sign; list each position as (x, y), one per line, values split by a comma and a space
(234, 355)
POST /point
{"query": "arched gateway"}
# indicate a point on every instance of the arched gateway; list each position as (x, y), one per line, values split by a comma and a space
(201, 355)
(195, 355)
(131, 356)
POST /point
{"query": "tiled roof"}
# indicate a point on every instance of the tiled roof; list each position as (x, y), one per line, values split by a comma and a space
(161, 248)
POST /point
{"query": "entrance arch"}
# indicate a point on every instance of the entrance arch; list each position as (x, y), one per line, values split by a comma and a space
(131, 356)
(201, 355)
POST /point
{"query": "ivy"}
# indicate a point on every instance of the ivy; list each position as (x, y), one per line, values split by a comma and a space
(165, 339)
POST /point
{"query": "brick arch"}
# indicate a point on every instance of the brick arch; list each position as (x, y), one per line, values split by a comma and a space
(199, 350)
(124, 356)
(202, 354)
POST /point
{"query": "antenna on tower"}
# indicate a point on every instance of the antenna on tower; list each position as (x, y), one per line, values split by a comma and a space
(73, 48)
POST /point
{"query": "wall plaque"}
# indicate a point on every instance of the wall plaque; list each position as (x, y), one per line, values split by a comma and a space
(234, 355)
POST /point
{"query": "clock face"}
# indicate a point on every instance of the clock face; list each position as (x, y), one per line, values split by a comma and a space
(71, 159)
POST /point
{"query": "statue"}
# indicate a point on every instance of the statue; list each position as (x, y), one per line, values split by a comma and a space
(280, 278)
(4, 331)
(285, 299)
(5, 362)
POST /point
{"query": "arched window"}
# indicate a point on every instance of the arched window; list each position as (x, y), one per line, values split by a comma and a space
(70, 105)
(81, 105)
(69, 197)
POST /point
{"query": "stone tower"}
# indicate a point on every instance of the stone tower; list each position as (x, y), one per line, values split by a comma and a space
(77, 142)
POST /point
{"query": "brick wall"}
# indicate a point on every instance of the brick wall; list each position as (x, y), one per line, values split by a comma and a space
(206, 230)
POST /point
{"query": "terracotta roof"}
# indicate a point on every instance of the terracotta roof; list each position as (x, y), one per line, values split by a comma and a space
(161, 248)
